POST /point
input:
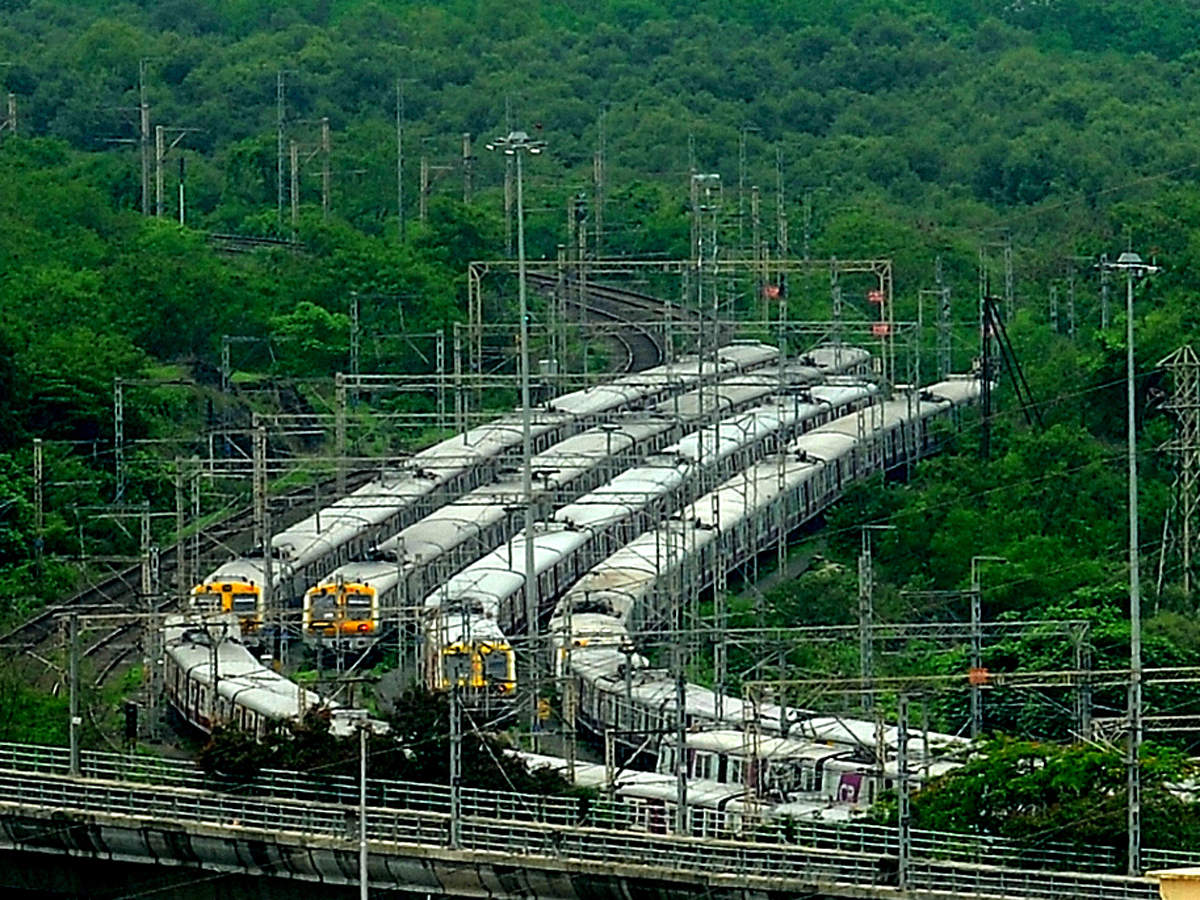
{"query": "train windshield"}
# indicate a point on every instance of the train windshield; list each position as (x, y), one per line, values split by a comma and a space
(324, 603)
(358, 606)
(208, 601)
(457, 666)
(495, 666)
(245, 602)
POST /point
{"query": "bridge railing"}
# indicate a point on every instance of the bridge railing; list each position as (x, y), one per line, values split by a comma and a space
(272, 819)
(597, 813)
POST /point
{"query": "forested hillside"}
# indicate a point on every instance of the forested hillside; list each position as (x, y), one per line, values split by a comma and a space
(911, 130)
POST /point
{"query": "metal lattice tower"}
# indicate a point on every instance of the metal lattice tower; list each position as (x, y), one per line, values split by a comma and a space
(1182, 528)
(944, 321)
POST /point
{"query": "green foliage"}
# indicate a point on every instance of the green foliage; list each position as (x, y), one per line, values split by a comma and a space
(417, 749)
(1044, 793)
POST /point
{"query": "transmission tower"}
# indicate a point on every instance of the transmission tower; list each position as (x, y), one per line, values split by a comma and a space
(1181, 531)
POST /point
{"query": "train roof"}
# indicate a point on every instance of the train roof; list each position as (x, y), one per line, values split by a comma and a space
(728, 741)
(497, 575)
(486, 441)
(195, 643)
(446, 528)
(250, 570)
(344, 520)
(831, 358)
(630, 490)
(959, 390)
(378, 574)
(471, 628)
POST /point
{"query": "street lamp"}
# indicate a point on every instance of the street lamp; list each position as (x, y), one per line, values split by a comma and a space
(517, 144)
(1133, 267)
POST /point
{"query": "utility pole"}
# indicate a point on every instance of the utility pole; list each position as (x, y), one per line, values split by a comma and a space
(760, 281)
(517, 144)
(866, 613)
(1071, 302)
(455, 765)
(508, 183)
(339, 430)
(904, 802)
(161, 150)
(364, 876)
(280, 121)
(182, 582)
(1009, 299)
(1133, 267)
(39, 509)
(977, 643)
(355, 333)
(1184, 402)
(1054, 307)
(400, 159)
(468, 163)
(144, 135)
(599, 175)
(259, 487)
(835, 301)
(159, 153)
(866, 620)
(944, 322)
(985, 383)
(1104, 305)
(294, 156)
(681, 756)
(73, 701)
(326, 181)
(119, 436)
(781, 222)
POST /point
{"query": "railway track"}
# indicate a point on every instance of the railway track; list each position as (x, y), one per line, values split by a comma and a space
(121, 592)
(641, 341)
(641, 337)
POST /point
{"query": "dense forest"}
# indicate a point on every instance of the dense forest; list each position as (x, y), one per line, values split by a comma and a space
(916, 130)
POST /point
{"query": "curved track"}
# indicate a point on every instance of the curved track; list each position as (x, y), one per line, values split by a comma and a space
(637, 332)
(121, 592)
(642, 319)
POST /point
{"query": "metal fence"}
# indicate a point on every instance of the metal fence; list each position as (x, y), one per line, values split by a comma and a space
(428, 803)
(658, 855)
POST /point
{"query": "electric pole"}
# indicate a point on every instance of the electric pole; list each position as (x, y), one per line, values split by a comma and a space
(144, 135)
(944, 322)
(599, 176)
(280, 121)
(400, 159)
(1184, 402)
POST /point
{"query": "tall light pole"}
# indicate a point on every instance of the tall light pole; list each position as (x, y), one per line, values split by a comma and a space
(1133, 267)
(517, 144)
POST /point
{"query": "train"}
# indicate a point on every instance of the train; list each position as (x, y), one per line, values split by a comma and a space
(581, 533)
(345, 608)
(211, 677)
(350, 527)
(637, 588)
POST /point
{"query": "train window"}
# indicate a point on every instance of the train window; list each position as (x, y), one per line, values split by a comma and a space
(245, 602)
(495, 666)
(324, 605)
(358, 607)
(735, 771)
(209, 601)
(704, 766)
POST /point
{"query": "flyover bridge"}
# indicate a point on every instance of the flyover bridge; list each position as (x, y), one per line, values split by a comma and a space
(281, 826)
